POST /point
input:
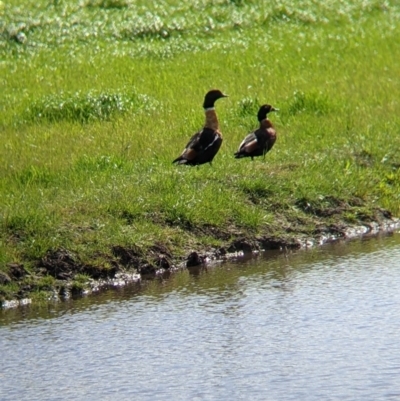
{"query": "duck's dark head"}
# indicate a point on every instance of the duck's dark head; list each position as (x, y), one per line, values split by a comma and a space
(264, 110)
(212, 96)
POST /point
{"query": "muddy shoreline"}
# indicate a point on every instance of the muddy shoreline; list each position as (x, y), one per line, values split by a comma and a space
(130, 265)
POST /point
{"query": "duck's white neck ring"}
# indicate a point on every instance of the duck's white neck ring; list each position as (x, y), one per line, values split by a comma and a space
(209, 108)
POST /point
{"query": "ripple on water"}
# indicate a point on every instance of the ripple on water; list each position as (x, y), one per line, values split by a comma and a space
(312, 325)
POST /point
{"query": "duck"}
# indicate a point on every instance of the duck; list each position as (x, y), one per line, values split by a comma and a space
(260, 141)
(204, 144)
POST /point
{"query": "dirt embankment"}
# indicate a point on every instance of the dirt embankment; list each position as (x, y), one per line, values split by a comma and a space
(60, 272)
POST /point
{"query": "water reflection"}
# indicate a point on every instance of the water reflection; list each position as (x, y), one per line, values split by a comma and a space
(310, 325)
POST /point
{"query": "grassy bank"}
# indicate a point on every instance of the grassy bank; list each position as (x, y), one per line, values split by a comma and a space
(98, 98)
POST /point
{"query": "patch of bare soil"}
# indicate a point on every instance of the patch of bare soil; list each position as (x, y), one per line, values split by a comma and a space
(63, 264)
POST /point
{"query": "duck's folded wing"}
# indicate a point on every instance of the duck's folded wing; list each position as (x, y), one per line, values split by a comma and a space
(203, 140)
(194, 141)
(200, 144)
(249, 144)
(191, 149)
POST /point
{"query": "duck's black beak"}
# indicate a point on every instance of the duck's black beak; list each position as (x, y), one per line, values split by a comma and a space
(274, 109)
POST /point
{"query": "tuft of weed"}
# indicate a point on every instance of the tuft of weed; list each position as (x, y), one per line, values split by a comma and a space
(84, 107)
(45, 283)
(108, 4)
(80, 283)
(35, 175)
(257, 192)
(99, 163)
(311, 103)
(153, 27)
(248, 106)
(237, 3)
(21, 225)
(8, 291)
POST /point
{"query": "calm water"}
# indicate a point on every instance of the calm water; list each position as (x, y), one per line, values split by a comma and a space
(313, 325)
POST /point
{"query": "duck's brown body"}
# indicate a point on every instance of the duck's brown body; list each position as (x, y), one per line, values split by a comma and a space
(204, 145)
(202, 148)
(260, 141)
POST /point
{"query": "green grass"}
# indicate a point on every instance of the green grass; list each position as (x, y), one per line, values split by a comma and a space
(99, 97)
(80, 284)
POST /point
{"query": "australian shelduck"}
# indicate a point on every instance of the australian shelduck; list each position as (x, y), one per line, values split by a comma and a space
(204, 145)
(260, 141)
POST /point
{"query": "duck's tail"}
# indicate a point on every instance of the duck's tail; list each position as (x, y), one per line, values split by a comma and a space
(239, 155)
(180, 160)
